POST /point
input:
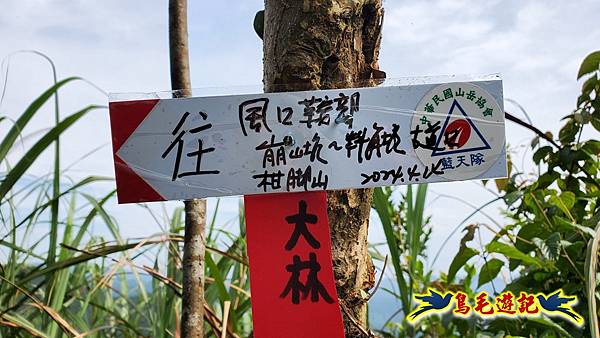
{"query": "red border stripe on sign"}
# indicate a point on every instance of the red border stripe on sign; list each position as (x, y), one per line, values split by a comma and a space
(125, 117)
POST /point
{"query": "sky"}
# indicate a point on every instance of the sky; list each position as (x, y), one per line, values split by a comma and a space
(122, 46)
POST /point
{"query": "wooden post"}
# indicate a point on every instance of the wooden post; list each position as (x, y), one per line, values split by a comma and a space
(192, 316)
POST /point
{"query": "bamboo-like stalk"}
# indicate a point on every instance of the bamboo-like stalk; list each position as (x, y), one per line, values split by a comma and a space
(591, 266)
(192, 316)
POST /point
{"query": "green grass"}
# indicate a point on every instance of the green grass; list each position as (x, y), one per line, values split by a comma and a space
(59, 279)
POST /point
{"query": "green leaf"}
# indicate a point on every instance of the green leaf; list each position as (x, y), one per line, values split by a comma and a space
(595, 123)
(590, 64)
(259, 23)
(541, 153)
(22, 121)
(215, 272)
(547, 179)
(84, 257)
(36, 150)
(461, 258)
(568, 199)
(549, 323)
(589, 85)
(565, 225)
(566, 157)
(553, 245)
(489, 271)
(22, 323)
(15, 247)
(40, 208)
(512, 252)
(565, 201)
(541, 276)
(512, 197)
(568, 132)
(112, 227)
(576, 249)
(527, 233)
(470, 273)
(592, 147)
(513, 264)
(384, 209)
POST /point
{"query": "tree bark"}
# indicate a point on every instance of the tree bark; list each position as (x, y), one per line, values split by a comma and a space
(192, 314)
(318, 44)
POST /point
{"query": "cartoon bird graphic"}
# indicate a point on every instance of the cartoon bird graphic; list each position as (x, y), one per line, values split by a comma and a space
(556, 302)
(429, 302)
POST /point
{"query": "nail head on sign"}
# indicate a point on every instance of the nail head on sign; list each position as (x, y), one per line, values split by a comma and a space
(288, 140)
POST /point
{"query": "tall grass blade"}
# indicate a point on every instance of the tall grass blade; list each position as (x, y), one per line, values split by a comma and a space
(591, 271)
(383, 207)
(22, 121)
(36, 150)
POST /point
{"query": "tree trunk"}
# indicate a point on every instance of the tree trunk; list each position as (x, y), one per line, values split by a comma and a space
(192, 299)
(319, 44)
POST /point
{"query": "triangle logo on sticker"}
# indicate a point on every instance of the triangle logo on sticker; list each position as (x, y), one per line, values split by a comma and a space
(459, 134)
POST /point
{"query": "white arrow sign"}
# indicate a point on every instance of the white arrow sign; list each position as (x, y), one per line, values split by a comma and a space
(171, 149)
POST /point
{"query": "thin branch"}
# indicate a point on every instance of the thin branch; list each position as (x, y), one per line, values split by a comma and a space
(380, 279)
(538, 132)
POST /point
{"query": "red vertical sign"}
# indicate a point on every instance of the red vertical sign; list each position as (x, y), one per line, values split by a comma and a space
(291, 276)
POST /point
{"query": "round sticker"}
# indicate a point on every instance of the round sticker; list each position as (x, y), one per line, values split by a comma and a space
(458, 127)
